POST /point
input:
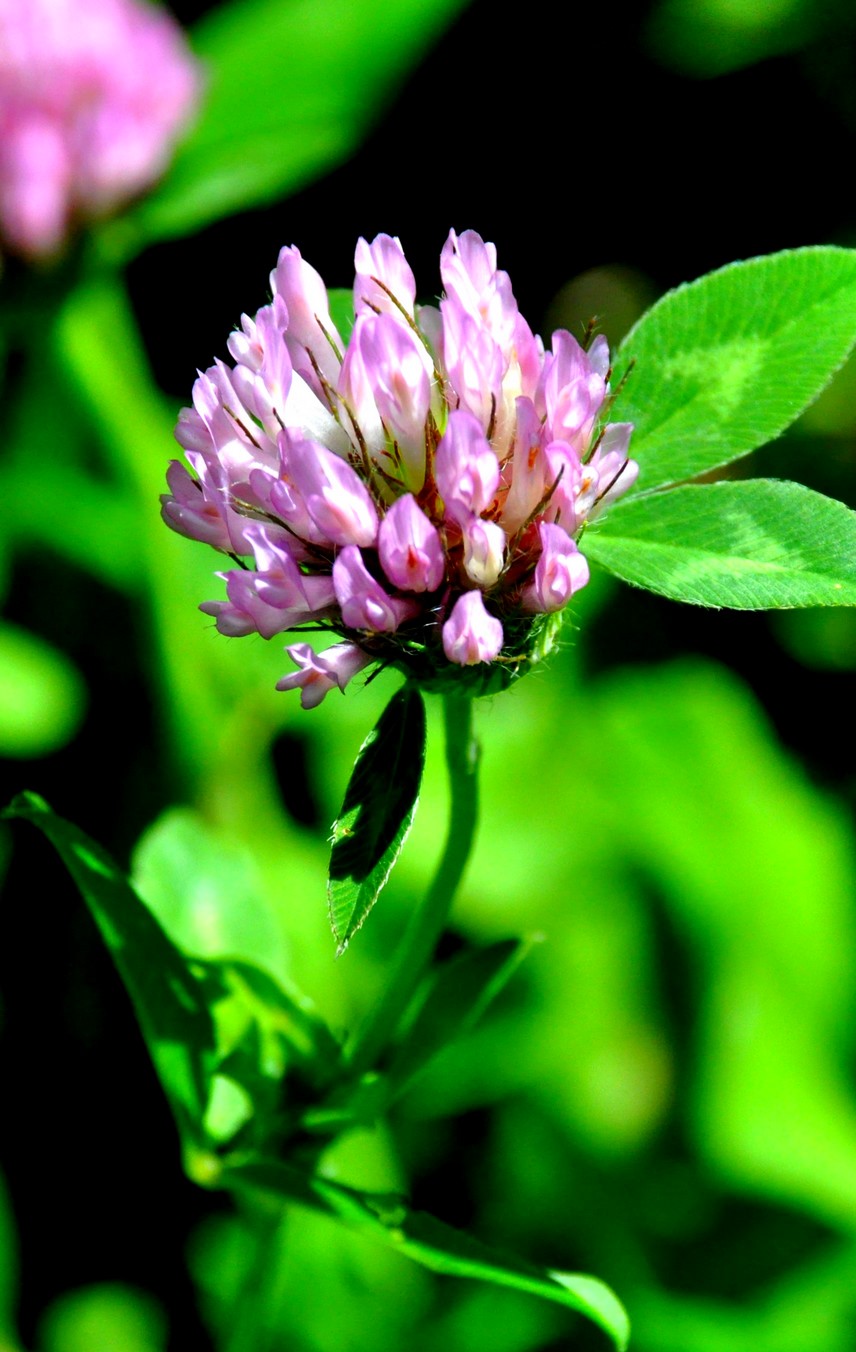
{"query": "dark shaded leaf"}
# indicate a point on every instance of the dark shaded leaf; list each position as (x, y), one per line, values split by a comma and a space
(165, 994)
(377, 812)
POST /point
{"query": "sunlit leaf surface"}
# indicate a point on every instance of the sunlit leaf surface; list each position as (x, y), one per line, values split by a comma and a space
(754, 545)
(206, 892)
(725, 363)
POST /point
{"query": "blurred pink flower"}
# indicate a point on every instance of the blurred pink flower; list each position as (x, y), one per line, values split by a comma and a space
(419, 489)
(93, 95)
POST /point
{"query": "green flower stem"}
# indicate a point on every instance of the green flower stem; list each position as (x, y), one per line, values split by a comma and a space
(427, 921)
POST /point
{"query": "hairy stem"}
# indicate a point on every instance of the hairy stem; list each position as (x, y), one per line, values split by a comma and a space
(427, 921)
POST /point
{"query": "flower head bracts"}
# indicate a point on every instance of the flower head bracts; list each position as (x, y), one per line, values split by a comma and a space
(418, 490)
(92, 98)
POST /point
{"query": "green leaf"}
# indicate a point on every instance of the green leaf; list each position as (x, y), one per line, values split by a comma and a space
(282, 1010)
(206, 891)
(42, 696)
(726, 363)
(272, 1047)
(756, 867)
(430, 1242)
(377, 813)
(108, 1315)
(753, 545)
(166, 996)
(458, 994)
(293, 86)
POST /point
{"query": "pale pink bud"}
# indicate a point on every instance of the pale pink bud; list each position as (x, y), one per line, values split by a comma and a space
(192, 511)
(310, 325)
(191, 431)
(397, 368)
(474, 363)
(231, 620)
(529, 356)
(357, 390)
(529, 470)
(616, 473)
(467, 265)
(333, 493)
(245, 612)
(471, 279)
(275, 368)
(307, 414)
(561, 570)
(572, 390)
(236, 442)
(321, 672)
(484, 551)
(198, 503)
(279, 581)
(470, 634)
(598, 356)
(383, 261)
(272, 598)
(466, 468)
(565, 475)
(623, 479)
(364, 603)
(411, 553)
(286, 503)
(244, 344)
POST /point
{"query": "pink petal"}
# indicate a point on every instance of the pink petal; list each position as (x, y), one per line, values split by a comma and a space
(470, 634)
(411, 552)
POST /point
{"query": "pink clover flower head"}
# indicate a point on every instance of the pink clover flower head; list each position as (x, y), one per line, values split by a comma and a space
(93, 96)
(418, 487)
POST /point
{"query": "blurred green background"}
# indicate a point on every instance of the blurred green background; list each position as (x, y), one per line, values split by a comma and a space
(664, 1095)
